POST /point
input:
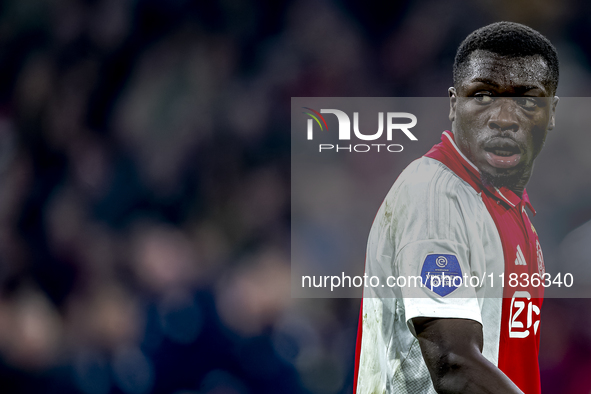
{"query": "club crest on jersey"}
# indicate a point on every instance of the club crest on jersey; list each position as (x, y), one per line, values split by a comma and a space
(441, 273)
(541, 267)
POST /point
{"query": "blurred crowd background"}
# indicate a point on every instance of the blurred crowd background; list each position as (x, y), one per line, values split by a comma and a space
(145, 185)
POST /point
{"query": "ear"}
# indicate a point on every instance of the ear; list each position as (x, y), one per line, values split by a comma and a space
(552, 121)
(452, 103)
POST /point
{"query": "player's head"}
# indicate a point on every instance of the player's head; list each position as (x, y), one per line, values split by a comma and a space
(502, 102)
(511, 40)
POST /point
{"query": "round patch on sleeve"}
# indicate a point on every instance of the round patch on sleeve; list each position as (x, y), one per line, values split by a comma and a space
(441, 273)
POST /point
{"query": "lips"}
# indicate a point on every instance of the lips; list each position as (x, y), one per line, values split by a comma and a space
(502, 153)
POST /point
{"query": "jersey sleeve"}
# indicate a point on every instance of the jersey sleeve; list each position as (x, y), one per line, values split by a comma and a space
(449, 296)
(425, 238)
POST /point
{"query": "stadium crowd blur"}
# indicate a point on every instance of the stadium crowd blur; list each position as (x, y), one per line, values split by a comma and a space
(145, 185)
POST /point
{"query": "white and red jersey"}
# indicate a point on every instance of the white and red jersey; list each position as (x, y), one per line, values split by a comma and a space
(438, 218)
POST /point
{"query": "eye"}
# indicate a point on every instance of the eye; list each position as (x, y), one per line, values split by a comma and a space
(483, 98)
(527, 102)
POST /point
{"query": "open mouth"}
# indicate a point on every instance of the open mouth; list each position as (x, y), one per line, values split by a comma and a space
(502, 154)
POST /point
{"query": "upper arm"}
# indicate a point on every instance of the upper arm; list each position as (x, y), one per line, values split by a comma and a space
(444, 341)
(452, 350)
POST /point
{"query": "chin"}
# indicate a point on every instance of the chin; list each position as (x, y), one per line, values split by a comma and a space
(508, 178)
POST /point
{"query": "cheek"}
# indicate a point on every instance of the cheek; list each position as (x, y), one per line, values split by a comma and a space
(472, 126)
(539, 132)
(473, 115)
(466, 139)
(538, 138)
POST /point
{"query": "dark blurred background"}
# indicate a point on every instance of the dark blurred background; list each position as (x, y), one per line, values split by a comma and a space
(145, 185)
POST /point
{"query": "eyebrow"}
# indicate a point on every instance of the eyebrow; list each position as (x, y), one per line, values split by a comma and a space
(519, 88)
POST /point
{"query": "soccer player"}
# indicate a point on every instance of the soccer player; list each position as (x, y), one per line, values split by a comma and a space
(460, 211)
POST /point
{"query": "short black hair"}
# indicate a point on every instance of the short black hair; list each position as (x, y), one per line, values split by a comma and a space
(508, 39)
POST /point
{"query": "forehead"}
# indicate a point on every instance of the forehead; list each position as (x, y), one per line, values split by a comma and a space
(506, 72)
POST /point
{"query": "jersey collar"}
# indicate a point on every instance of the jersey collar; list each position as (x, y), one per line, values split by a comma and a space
(448, 153)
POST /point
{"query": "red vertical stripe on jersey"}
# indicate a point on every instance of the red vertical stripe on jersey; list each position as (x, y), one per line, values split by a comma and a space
(521, 308)
(358, 347)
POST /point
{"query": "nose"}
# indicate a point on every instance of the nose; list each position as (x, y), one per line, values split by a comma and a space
(503, 116)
